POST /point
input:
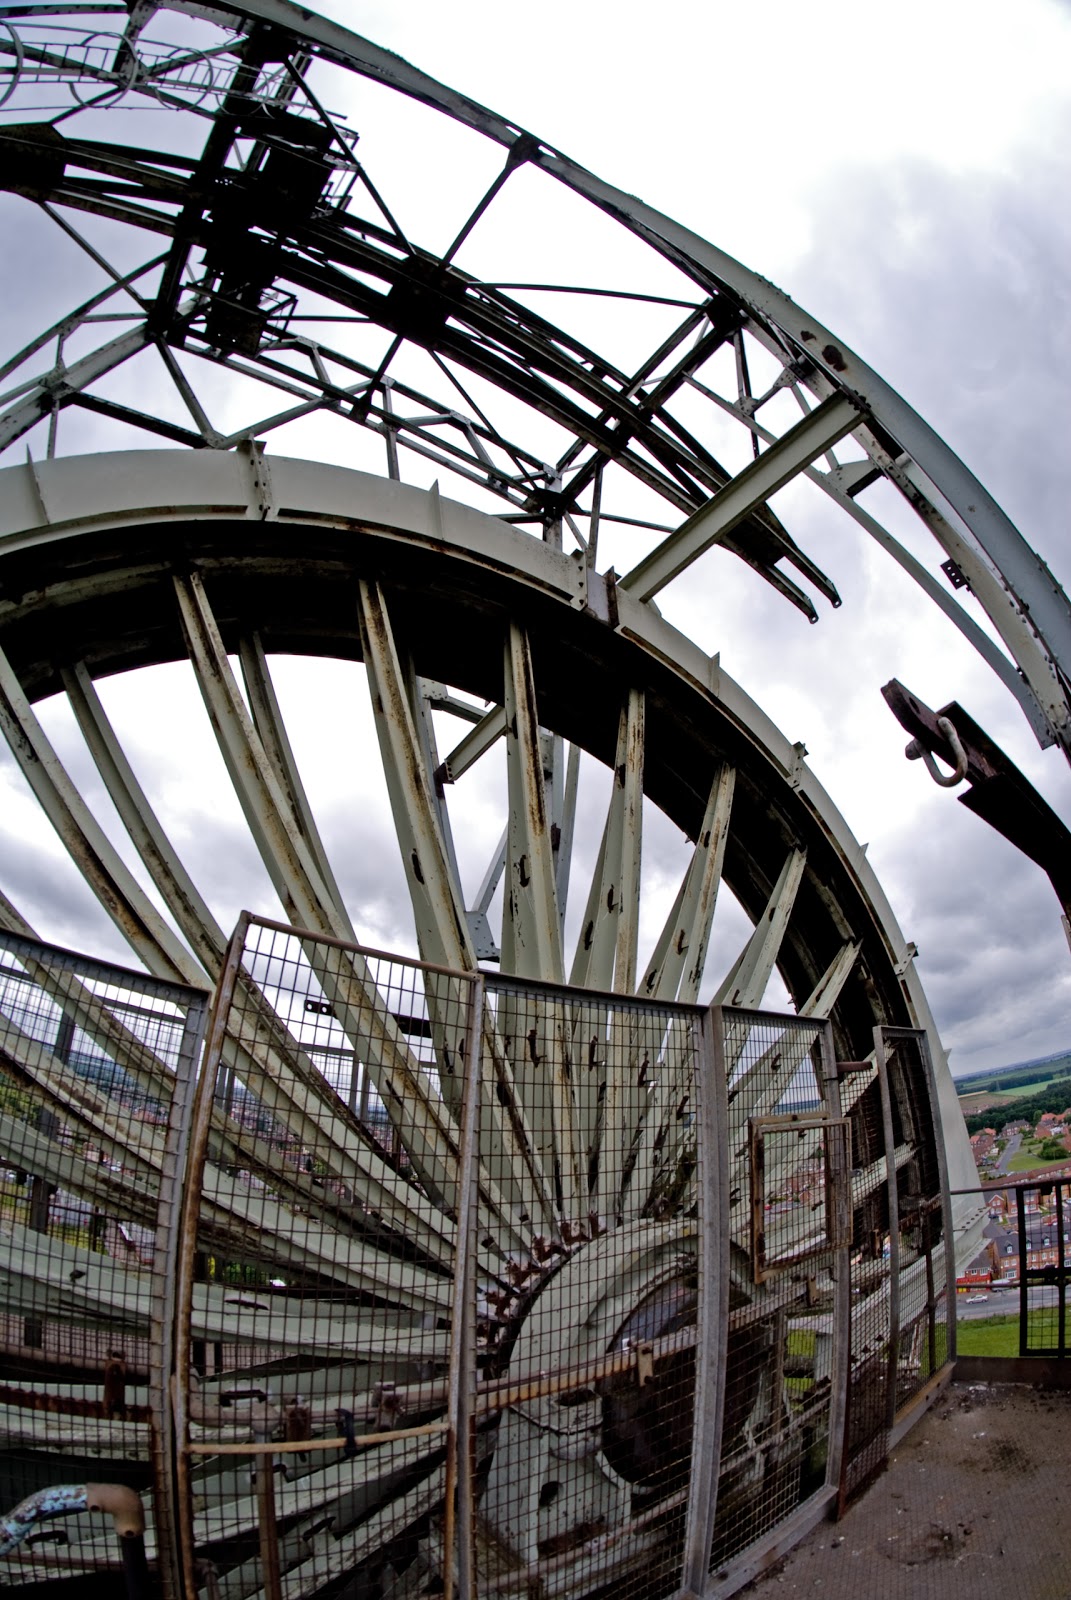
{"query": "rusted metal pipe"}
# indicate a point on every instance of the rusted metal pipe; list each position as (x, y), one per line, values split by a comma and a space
(122, 1504)
(127, 1512)
(270, 1571)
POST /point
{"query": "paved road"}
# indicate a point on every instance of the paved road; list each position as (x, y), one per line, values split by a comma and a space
(1009, 1150)
(1005, 1303)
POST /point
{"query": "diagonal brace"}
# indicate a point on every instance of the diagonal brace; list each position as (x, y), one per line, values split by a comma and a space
(810, 438)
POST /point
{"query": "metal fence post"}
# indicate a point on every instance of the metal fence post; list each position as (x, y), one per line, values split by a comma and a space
(458, 1508)
(162, 1323)
(946, 1195)
(839, 1158)
(889, 1140)
(712, 1312)
(186, 1244)
(1024, 1293)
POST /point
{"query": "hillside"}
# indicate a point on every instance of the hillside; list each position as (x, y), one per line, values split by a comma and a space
(998, 1080)
(1056, 1096)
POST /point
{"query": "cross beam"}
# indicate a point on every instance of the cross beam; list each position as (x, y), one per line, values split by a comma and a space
(816, 433)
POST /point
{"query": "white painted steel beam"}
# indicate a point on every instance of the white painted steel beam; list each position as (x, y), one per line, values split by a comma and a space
(420, 702)
(769, 472)
(1013, 620)
(283, 848)
(177, 888)
(269, 723)
(608, 1099)
(565, 792)
(531, 939)
(676, 966)
(435, 894)
(531, 926)
(107, 875)
(57, 388)
(475, 743)
(745, 982)
(675, 972)
(605, 955)
(491, 878)
(823, 997)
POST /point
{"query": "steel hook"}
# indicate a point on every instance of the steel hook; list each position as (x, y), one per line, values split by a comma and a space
(947, 780)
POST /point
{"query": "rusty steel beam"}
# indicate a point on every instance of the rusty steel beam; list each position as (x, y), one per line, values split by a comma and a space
(998, 792)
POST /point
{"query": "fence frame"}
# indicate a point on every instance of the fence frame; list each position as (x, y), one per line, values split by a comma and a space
(743, 1567)
(194, 1003)
(466, 1396)
(457, 1425)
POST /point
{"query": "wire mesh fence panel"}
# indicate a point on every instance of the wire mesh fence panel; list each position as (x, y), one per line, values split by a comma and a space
(921, 1255)
(923, 1338)
(320, 1251)
(788, 1170)
(96, 1070)
(451, 1251)
(587, 1325)
(1044, 1260)
(867, 1401)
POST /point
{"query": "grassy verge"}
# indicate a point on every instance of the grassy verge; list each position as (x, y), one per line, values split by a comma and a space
(1028, 1161)
(999, 1336)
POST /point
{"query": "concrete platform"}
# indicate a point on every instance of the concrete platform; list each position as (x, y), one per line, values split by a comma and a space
(974, 1506)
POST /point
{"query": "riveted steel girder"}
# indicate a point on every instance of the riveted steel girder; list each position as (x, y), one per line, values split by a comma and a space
(606, 951)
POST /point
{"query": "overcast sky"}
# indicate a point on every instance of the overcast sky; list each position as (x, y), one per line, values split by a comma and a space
(905, 174)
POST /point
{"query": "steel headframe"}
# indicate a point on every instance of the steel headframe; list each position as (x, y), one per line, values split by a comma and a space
(280, 265)
(277, 248)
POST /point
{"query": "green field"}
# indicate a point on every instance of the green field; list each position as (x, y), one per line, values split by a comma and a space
(1029, 1074)
(974, 1099)
(1027, 1161)
(970, 1103)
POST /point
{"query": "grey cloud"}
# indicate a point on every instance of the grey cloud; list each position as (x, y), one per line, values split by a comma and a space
(992, 954)
(956, 290)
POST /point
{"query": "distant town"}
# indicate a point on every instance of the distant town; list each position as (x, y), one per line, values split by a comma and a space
(1019, 1122)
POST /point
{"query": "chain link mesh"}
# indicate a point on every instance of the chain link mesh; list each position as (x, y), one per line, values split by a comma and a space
(96, 1067)
(443, 1270)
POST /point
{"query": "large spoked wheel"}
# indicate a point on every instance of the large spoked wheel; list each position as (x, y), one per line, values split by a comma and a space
(257, 274)
(587, 1246)
(532, 654)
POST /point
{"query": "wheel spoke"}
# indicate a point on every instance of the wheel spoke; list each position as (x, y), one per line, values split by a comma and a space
(92, 852)
(178, 889)
(745, 982)
(438, 908)
(269, 724)
(676, 968)
(606, 950)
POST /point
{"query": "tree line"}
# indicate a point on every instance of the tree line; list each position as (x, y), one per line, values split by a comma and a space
(1027, 1109)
